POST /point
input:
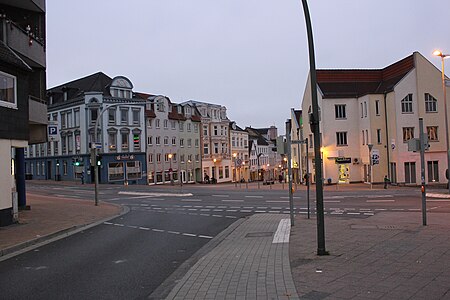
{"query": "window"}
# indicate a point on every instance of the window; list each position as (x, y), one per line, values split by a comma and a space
(150, 140)
(181, 126)
(189, 143)
(150, 158)
(188, 126)
(182, 158)
(63, 121)
(408, 133)
(8, 93)
(64, 167)
(362, 111)
(124, 116)
(205, 149)
(157, 123)
(94, 114)
(70, 143)
(69, 119)
(174, 141)
(410, 172)
(181, 142)
(136, 117)
(149, 123)
(363, 137)
(433, 171)
(197, 157)
(341, 138)
(216, 148)
(158, 140)
(158, 157)
(311, 141)
(196, 143)
(407, 105)
(233, 141)
(115, 171)
(216, 131)
(166, 140)
(124, 136)
(196, 128)
(365, 109)
(112, 140)
(377, 107)
(379, 136)
(111, 116)
(227, 172)
(432, 132)
(430, 103)
(339, 111)
(166, 124)
(205, 130)
(174, 124)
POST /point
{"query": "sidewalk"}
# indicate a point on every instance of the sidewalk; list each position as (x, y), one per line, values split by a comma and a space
(50, 217)
(252, 262)
(387, 256)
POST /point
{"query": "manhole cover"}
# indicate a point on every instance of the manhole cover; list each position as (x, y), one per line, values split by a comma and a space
(259, 234)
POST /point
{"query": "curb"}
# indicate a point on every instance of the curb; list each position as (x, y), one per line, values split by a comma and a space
(18, 249)
(165, 288)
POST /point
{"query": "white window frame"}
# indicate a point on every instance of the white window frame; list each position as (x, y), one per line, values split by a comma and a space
(8, 104)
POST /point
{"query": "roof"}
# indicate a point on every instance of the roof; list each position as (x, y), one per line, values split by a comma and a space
(9, 56)
(97, 82)
(357, 83)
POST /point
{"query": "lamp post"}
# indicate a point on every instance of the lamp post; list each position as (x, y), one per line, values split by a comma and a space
(235, 169)
(444, 56)
(170, 155)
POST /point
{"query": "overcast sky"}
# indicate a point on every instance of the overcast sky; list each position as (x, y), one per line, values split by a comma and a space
(248, 55)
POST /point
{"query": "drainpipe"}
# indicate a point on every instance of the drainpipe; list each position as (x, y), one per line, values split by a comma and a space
(387, 137)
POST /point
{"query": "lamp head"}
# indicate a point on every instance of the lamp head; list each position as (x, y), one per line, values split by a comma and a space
(437, 53)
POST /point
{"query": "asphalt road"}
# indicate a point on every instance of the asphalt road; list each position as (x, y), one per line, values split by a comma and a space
(130, 256)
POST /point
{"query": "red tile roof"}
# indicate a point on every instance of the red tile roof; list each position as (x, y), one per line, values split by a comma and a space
(357, 83)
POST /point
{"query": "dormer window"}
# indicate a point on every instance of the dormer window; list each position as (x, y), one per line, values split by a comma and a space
(121, 87)
(160, 105)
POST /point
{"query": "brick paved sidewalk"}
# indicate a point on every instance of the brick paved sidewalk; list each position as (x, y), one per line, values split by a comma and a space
(50, 216)
(387, 256)
(247, 264)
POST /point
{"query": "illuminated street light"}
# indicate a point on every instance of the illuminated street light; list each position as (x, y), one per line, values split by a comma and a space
(444, 56)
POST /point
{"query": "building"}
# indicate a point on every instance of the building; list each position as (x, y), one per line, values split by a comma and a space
(173, 141)
(240, 153)
(73, 109)
(23, 110)
(214, 141)
(297, 150)
(374, 113)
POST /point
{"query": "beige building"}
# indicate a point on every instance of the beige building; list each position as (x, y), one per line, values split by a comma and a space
(239, 149)
(379, 109)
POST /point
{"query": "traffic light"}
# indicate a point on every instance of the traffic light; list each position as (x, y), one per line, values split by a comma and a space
(99, 159)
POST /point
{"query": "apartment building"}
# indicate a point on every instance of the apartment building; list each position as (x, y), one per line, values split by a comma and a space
(23, 110)
(297, 150)
(240, 153)
(73, 110)
(377, 111)
(173, 141)
(214, 141)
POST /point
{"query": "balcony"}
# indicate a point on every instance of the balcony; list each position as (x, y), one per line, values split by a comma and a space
(25, 43)
(37, 120)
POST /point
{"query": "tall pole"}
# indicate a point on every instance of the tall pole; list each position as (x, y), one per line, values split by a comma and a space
(446, 121)
(307, 176)
(316, 130)
(422, 172)
(289, 150)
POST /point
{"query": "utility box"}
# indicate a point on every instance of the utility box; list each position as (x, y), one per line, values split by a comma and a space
(414, 145)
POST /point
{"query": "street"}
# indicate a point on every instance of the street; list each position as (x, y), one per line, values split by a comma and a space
(130, 256)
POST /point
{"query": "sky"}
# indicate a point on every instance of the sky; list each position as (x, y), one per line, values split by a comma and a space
(248, 55)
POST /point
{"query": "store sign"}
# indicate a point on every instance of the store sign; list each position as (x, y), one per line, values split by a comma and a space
(125, 157)
(343, 160)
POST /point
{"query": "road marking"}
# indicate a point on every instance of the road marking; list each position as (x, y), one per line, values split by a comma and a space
(353, 213)
(276, 201)
(331, 201)
(173, 232)
(434, 195)
(380, 209)
(398, 209)
(220, 195)
(260, 211)
(283, 232)
(245, 211)
(107, 223)
(157, 230)
(414, 209)
(205, 236)
(288, 197)
(334, 197)
(191, 200)
(440, 200)
(231, 210)
(232, 200)
(154, 194)
(253, 196)
(379, 201)
(217, 216)
(380, 196)
(231, 217)
(144, 228)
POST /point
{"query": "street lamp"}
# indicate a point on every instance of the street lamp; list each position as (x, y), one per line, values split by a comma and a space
(170, 155)
(235, 169)
(444, 56)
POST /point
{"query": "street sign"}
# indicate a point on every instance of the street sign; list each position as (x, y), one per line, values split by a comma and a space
(375, 156)
(52, 131)
(238, 162)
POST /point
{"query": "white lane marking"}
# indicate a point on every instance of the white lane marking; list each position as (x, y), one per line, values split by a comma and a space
(261, 207)
(331, 201)
(414, 209)
(205, 236)
(382, 209)
(369, 214)
(379, 201)
(274, 211)
(353, 213)
(173, 232)
(248, 207)
(245, 210)
(276, 201)
(188, 234)
(440, 200)
(253, 196)
(107, 223)
(120, 225)
(155, 194)
(283, 232)
(144, 228)
(220, 195)
(260, 211)
(380, 196)
(231, 217)
(398, 209)
(334, 197)
(217, 216)
(288, 197)
(157, 230)
(191, 200)
(232, 200)
(232, 210)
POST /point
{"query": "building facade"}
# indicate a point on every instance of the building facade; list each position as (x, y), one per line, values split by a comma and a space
(214, 141)
(76, 109)
(173, 141)
(240, 153)
(23, 109)
(374, 113)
